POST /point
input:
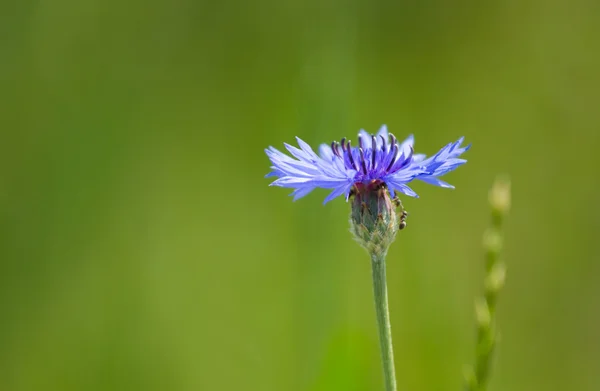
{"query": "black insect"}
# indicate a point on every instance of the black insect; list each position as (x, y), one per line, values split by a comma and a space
(404, 213)
(403, 217)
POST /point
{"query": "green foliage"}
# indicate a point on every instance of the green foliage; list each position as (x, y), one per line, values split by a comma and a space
(141, 249)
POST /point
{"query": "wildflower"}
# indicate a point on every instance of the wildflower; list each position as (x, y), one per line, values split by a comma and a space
(369, 173)
(378, 160)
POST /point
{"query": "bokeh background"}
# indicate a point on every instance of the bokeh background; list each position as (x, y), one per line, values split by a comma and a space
(141, 248)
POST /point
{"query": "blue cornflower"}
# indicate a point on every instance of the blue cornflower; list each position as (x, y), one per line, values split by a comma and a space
(377, 160)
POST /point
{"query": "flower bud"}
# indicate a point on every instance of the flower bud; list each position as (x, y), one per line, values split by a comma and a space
(373, 219)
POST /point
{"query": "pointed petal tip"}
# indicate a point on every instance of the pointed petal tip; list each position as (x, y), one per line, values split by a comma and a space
(327, 199)
(383, 131)
(301, 143)
(460, 141)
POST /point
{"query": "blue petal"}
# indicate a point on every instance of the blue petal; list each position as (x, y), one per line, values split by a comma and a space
(301, 192)
(435, 181)
(383, 131)
(307, 149)
(366, 137)
(289, 181)
(405, 159)
(407, 145)
(297, 153)
(337, 192)
(419, 157)
(407, 190)
(275, 172)
(402, 188)
(283, 162)
(444, 161)
(326, 152)
(331, 183)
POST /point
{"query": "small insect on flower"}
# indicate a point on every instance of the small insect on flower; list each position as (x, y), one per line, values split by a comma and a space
(403, 213)
(403, 217)
(370, 174)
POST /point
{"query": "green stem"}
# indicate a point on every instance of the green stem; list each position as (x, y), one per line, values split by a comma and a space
(383, 321)
(477, 377)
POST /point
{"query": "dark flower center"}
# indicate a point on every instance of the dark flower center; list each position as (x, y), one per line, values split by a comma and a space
(371, 160)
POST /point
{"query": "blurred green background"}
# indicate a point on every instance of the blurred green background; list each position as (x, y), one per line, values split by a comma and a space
(141, 248)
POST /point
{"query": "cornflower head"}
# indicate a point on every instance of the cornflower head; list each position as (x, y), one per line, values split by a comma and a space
(371, 173)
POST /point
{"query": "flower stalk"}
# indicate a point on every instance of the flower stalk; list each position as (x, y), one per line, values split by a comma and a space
(477, 377)
(383, 320)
